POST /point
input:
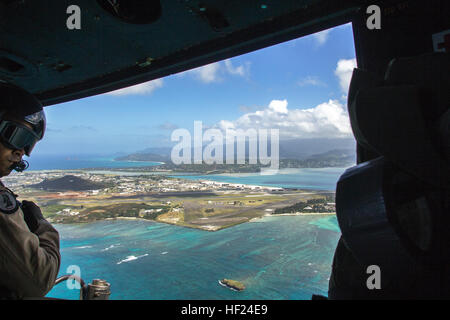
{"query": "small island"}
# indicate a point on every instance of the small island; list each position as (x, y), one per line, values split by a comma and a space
(232, 284)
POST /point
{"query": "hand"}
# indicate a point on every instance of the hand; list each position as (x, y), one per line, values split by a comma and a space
(32, 214)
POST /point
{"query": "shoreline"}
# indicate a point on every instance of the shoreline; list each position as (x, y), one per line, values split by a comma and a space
(181, 176)
(293, 215)
(218, 223)
(134, 171)
(145, 161)
(209, 228)
(303, 214)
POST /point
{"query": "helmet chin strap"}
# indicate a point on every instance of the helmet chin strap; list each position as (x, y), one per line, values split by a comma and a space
(20, 166)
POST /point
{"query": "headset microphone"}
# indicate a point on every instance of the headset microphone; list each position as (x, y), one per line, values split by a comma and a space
(20, 165)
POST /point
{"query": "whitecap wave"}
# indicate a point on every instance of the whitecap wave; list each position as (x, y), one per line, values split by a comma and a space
(83, 247)
(111, 246)
(131, 258)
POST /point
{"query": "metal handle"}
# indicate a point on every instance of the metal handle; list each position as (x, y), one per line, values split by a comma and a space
(98, 289)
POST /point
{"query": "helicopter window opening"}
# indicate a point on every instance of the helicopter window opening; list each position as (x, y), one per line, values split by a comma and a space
(105, 176)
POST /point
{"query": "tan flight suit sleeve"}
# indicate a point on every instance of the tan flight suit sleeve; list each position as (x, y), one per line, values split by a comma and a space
(29, 262)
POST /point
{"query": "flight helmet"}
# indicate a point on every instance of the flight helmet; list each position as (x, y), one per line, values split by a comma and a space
(22, 118)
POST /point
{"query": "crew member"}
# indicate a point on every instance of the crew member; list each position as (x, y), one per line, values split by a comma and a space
(29, 245)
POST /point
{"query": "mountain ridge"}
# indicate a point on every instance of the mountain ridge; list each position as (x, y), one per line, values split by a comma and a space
(330, 158)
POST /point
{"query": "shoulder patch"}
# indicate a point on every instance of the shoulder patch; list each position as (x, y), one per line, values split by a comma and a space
(8, 203)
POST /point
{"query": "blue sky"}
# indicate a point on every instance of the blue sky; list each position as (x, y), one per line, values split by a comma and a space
(298, 86)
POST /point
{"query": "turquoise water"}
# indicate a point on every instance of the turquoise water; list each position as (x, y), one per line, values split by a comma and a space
(285, 257)
(304, 178)
(307, 178)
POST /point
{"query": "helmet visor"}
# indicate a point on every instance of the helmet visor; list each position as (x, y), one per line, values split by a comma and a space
(18, 136)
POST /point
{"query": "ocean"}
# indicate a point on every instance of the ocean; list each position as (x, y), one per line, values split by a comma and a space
(284, 257)
(304, 178)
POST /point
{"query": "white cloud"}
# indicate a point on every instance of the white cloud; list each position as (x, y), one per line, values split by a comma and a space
(216, 71)
(241, 70)
(143, 88)
(311, 81)
(279, 106)
(208, 73)
(327, 120)
(344, 71)
(321, 37)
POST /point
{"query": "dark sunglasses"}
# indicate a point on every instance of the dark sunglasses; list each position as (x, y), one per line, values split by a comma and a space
(17, 136)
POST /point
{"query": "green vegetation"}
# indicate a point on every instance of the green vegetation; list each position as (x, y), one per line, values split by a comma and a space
(332, 158)
(206, 210)
(128, 210)
(310, 206)
(69, 182)
(143, 157)
(212, 168)
(50, 211)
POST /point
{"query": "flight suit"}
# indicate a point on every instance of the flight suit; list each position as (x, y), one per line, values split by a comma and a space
(29, 260)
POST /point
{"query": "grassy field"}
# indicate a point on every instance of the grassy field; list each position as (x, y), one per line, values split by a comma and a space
(207, 212)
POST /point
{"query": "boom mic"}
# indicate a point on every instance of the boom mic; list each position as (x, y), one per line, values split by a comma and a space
(20, 165)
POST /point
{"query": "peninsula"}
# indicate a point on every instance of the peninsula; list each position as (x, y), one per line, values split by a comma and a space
(331, 158)
(78, 196)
